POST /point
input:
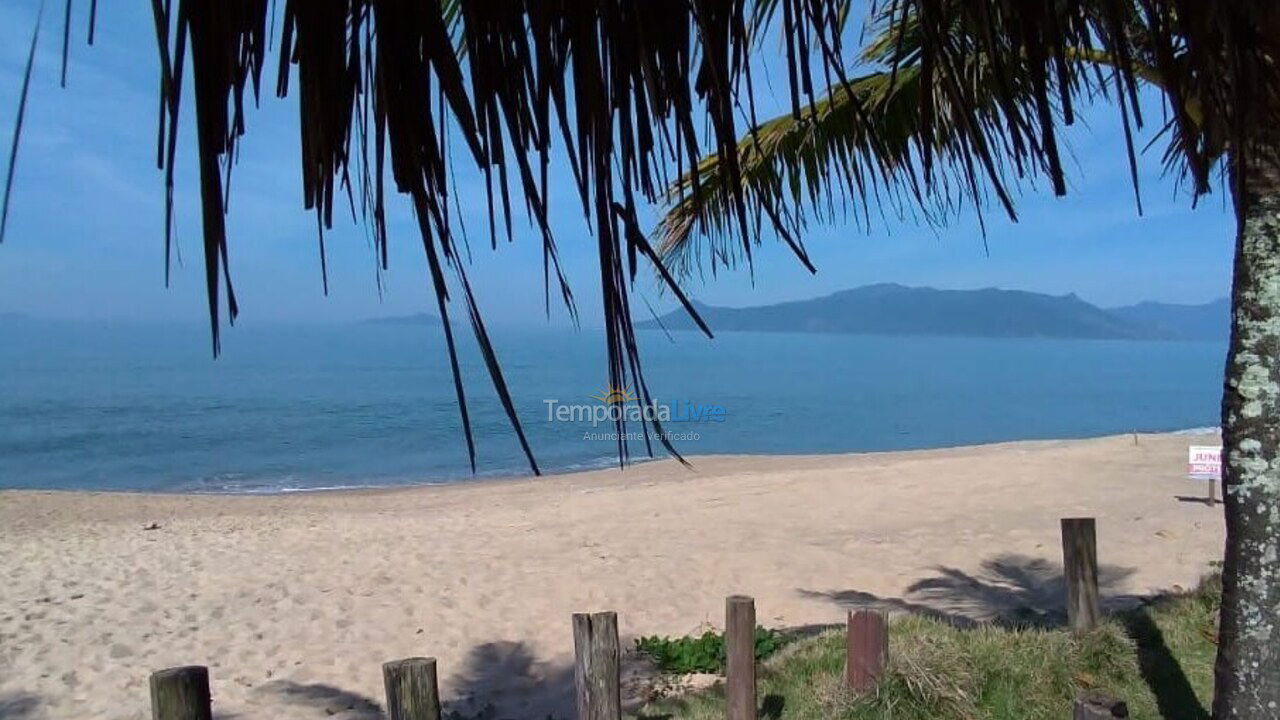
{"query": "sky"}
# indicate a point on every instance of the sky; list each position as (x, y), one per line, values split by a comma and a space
(85, 237)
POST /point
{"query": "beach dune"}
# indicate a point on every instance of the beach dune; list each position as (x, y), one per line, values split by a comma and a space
(294, 601)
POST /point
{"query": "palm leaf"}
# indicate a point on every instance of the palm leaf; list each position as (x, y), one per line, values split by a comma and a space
(17, 126)
(942, 121)
(865, 141)
(943, 117)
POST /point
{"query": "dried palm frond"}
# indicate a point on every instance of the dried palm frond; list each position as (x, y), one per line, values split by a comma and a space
(17, 130)
(950, 115)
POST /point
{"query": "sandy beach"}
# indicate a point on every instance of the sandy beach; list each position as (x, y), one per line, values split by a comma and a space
(294, 601)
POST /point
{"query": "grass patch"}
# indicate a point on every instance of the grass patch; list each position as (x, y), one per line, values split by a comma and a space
(703, 653)
(1158, 658)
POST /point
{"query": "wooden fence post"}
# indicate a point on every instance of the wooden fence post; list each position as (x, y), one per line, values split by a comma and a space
(596, 666)
(866, 650)
(1091, 706)
(181, 693)
(412, 692)
(740, 657)
(1080, 568)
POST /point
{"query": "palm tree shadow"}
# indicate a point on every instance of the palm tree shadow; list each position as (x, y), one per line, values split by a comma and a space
(771, 707)
(500, 680)
(1008, 589)
(1020, 591)
(19, 706)
(505, 679)
(332, 701)
(1175, 697)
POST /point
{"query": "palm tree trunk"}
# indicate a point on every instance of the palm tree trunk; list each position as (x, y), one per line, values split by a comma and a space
(1247, 672)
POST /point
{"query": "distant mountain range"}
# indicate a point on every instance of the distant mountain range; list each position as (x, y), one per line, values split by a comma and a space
(1210, 321)
(891, 309)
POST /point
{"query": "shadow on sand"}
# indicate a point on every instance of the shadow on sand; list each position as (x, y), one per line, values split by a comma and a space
(502, 680)
(505, 679)
(1007, 589)
(498, 680)
(1019, 591)
(19, 706)
(326, 700)
(1202, 500)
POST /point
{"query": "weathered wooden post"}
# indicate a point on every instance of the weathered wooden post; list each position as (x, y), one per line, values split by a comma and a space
(866, 650)
(1093, 706)
(181, 693)
(1080, 568)
(740, 657)
(412, 690)
(596, 666)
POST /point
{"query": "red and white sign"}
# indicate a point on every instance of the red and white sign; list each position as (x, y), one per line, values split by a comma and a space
(1204, 462)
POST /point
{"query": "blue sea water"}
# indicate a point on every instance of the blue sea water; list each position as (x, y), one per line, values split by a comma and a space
(145, 407)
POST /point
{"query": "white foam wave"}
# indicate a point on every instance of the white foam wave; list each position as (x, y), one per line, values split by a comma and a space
(1206, 430)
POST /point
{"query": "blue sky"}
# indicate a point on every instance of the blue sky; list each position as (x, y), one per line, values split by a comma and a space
(85, 237)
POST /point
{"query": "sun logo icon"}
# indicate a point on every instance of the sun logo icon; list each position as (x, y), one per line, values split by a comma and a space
(615, 395)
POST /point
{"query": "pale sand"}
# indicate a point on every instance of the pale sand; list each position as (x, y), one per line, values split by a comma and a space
(295, 601)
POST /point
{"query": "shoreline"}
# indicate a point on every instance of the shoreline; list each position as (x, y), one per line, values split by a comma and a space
(294, 600)
(503, 477)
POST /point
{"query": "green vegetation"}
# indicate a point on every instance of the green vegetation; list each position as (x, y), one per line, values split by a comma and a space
(703, 653)
(1158, 658)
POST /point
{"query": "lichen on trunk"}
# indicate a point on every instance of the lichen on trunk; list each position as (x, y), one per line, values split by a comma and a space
(1248, 664)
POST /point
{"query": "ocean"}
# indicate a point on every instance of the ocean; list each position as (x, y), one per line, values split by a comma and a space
(303, 407)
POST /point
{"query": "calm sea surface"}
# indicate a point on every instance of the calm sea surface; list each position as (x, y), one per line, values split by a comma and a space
(136, 407)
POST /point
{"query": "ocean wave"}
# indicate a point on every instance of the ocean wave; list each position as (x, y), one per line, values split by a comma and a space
(247, 484)
(1206, 430)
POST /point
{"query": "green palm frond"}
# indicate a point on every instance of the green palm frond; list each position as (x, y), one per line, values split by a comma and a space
(980, 123)
(864, 144)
